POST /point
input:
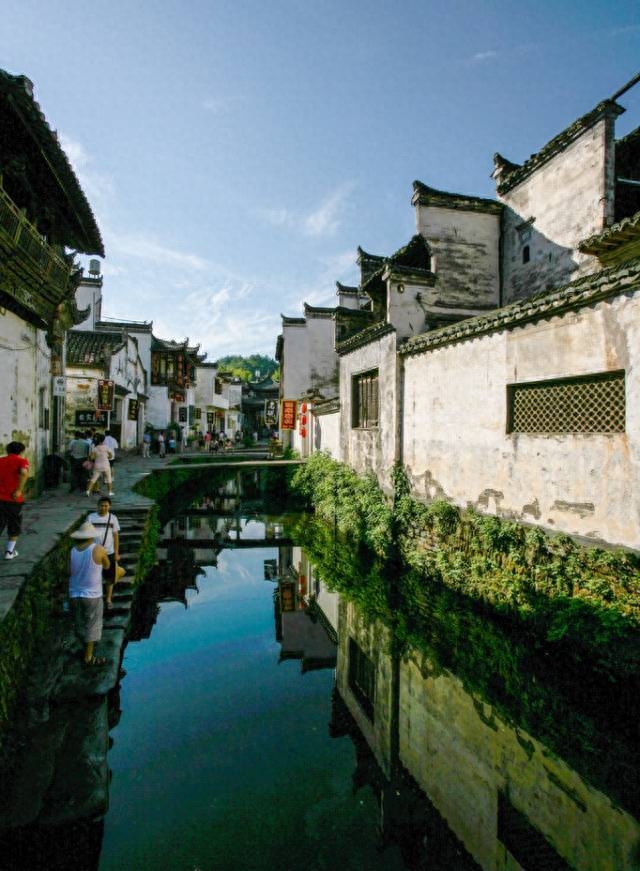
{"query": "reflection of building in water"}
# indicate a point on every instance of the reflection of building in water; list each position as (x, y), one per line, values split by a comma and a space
(304, 611)
(512, 802)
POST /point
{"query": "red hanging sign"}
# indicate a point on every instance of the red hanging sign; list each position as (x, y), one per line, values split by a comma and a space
(288, 414)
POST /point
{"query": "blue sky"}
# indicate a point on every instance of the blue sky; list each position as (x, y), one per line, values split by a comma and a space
(236, 152)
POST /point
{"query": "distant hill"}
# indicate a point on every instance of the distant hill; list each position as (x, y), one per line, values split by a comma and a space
(253, 368)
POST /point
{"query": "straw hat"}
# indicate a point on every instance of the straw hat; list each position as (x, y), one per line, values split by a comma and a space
(86, 531)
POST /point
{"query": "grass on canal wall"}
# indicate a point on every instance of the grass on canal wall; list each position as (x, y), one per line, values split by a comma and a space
(583, 600)
(27, 623)
(40, 599)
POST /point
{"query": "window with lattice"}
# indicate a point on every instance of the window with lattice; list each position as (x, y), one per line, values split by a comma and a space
(362, 679)
(585, 404)
(366, 403)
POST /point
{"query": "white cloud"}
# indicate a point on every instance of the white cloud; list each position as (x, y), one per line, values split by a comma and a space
(326, 219)
(322, 221)
(220, 104)
(96, 185)
(144, 247)
(482, 56)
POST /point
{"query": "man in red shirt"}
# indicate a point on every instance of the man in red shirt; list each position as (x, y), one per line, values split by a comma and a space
(14, 471)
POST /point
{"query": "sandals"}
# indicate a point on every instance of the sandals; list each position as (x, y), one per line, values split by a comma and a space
(95, 661)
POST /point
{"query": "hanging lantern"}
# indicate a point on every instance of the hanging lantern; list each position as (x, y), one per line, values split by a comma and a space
(303, 407)
(303, 420)
(303, 432)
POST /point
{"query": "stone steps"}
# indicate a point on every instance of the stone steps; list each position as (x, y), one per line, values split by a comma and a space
(61, 773)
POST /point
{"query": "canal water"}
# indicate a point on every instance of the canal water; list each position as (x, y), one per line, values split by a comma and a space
(281, 708)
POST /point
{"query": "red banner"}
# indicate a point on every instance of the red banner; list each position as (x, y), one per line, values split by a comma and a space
(288, 414)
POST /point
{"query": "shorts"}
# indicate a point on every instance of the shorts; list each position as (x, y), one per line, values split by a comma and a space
(11, 517)
(87, 614)
(109, 575)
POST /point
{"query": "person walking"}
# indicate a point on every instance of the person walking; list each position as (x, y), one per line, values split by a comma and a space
(146, 445)
(87, 561)
(112, 445)
(108, 536)
(14, 471)
(100, 456)
(78, 455)
(162, 445)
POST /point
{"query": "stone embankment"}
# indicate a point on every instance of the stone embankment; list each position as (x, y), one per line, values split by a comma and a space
(54, 755)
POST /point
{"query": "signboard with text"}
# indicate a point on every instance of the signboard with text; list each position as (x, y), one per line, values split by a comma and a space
(90, 417)
(210, 419)
(105, 395)
(271, 412)
(182, 414)
(288, 414)
(133, 409)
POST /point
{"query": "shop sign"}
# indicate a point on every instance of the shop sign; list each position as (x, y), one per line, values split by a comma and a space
(271, 412)
(105, 395)
(133, 409)
(59, 385)
(288, 415)
(91, 417)
(182, 414)
(210, 419)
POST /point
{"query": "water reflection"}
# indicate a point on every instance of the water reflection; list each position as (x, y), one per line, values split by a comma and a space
(296, 705)
(474, 744)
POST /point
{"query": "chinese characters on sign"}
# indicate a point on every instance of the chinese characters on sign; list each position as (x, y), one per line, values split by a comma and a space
(288, 415)
(210, 419)
(133, 409)
(91, 417)
(271, 412)
(105, 395)
(182, 414)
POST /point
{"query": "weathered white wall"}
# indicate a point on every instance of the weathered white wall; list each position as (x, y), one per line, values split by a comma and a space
(158, 406)
(310, 361)
(465, 248)
(25, 367)
(455, 444)
(326, 434)
(568, 198)
(371, 450)
(461, 753)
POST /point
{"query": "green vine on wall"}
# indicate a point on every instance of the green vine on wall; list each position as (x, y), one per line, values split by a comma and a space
(586, 599)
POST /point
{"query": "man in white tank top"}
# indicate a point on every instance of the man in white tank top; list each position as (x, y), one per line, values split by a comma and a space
(87, 560)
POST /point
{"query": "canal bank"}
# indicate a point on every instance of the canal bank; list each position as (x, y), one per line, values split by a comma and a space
(49, 700)
(54, 709)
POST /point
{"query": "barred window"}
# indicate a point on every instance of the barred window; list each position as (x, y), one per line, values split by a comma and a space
(362, 678)
(365, 399)
(586, 404)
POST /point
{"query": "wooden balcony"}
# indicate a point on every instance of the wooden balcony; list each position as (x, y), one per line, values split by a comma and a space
(31, 272)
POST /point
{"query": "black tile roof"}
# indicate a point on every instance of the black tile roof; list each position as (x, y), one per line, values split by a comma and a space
(86, 348)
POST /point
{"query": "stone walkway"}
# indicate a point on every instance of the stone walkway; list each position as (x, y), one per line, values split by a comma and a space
(56, 512)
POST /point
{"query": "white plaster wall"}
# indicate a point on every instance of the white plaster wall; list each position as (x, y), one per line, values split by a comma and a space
(371, 450)
(455, 444)
(567, 196)
(322, 358)
(25, 367)
(326, 434)
(295, 373)
(462, 754)
(465, 250)
(158, 406)
(404, 310)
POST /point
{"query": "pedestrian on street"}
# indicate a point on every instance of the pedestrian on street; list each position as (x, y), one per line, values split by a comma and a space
(112, 445)
(87, 561)
(162, 445)
(100, 456)
(108, 535)
(146, 445)
(78, 455)
(14, 471)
